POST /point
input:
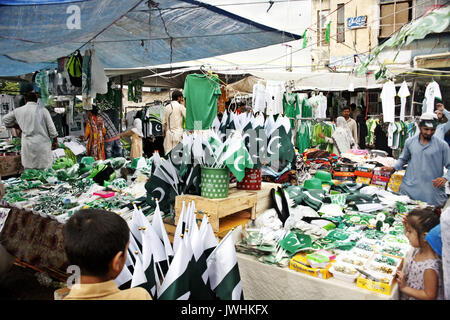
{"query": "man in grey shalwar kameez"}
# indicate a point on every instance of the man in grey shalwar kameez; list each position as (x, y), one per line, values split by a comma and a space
(38, 131)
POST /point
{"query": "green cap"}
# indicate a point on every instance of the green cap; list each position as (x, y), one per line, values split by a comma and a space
(313, 183)
(324, 176)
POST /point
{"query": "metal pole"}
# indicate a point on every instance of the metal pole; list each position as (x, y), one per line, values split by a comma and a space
(412, 98)
(121, 103)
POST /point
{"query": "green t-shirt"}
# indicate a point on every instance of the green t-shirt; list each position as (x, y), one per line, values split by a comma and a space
(291, 107)
(201, 93)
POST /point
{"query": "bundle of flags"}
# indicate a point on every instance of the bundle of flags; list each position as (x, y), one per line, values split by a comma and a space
(196, 267)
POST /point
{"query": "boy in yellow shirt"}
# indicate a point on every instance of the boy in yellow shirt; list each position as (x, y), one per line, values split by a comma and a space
(97, 242)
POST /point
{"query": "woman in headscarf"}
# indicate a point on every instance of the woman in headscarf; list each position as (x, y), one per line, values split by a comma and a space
(136, 136)
(341, 138)
(95, 132)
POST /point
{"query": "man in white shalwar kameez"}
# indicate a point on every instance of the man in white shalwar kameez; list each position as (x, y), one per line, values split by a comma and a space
(38, 130)
(174, 114)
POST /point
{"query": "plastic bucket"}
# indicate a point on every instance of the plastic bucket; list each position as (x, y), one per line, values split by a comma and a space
(215, 183)
(251, 181)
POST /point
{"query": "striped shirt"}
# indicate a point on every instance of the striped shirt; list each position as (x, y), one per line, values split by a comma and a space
(111, 132)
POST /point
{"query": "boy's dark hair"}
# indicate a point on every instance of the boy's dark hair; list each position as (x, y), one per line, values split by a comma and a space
(423, 220)
(92, 238)
(345, 108)
(94, 110)
(176, 94)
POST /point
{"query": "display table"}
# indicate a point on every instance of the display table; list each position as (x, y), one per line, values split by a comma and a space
(261, 281)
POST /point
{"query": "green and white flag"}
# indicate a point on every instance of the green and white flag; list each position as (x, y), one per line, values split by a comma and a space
(327, 32)
(158, 226)
(304, 39)
(236, 156)
(293, 242)
(176, 284)
(223, 271)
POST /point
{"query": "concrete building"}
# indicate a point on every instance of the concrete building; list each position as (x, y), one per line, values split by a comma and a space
(357, 27)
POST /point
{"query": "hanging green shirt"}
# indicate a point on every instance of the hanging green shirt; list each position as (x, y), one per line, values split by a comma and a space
(291, 107)
(201, 93)
(306, 109)
(135, 90)
(303, 137)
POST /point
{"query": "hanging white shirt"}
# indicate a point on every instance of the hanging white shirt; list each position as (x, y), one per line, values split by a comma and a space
(388, 94)
(322, 106)
(274, 97)
(403, 93)
(432, 92)
(259, 97)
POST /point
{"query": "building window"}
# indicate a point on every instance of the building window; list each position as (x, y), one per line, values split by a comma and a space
(322, 18)
(394, 15)
(340, 23)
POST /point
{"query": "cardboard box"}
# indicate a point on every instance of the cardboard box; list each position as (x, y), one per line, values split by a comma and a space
(381, 287)
(299, 263)
(363, 174)
(10, 165)
(363, 180)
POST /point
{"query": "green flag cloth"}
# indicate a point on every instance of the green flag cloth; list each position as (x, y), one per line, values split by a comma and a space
(327, 33)
(304, 39)
(293, 242)
(201, 93)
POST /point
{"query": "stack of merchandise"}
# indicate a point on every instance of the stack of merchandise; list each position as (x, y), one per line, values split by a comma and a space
(380, 178)
(344, 172)
(364, 173)
(350, 231)
(396, 180)
(66, 187)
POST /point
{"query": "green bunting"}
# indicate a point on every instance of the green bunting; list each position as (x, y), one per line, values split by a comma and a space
(327, 33)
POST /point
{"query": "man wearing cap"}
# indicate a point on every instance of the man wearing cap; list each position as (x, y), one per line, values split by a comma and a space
(426, 156)
(38, 131)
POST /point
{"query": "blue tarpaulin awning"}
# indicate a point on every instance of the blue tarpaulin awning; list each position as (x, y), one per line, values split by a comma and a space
(124, 34)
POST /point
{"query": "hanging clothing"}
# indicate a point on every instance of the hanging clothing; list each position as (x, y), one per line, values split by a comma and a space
(153, 116)
(381, 139)
(362, 131)
(291, 107)
(425, 163)
(274, 97)
(259, 97)
(201, 93)
(432, 92)
(174, 115)
(371, 126)
(403, 93)
(303, 137)
(321, 106)
(388, 94)
(6, 106)
(95, 132)
(37, 131)
(306, 109)
(135, 90)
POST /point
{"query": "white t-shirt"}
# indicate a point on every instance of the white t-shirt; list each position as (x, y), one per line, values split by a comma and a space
(322, 106)
(431, 92)
(388, 94)
(274, 97)
(391, 131)
(403, 93)
(259, 97)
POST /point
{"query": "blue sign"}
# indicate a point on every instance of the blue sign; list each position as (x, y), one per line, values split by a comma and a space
(357, 22)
